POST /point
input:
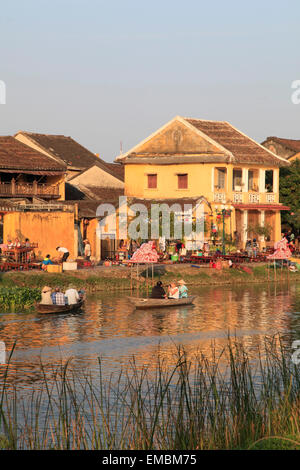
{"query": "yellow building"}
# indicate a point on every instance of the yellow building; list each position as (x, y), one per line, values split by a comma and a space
(190, 158)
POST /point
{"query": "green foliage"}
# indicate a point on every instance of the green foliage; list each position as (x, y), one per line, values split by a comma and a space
(289, 184)
(24, 297)
(259, 230)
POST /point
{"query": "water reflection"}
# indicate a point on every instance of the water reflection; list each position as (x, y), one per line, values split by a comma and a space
(109, 327)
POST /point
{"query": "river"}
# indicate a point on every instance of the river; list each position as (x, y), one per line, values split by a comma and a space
(109, 328)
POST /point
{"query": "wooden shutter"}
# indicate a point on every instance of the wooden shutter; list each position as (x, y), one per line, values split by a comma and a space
(182, 181)
(152, 181)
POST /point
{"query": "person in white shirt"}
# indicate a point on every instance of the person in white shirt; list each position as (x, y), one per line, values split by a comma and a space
(173, 291)
(65, 251)
(87, 250)
(72, 295)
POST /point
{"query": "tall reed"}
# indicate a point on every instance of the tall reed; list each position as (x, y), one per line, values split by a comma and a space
(227, 401)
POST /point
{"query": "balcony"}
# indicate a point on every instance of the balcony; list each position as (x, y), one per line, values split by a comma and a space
(270, 197)
(29, 190)
(238, 197)
(220, 197)
(254, 197)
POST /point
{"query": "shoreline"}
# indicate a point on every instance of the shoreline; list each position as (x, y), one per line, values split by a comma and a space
(117, 278)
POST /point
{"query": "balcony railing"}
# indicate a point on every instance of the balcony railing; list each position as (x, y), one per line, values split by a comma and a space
(28, 189)
(270, 197)
(254, 197)
(220, 197)
(238, 197)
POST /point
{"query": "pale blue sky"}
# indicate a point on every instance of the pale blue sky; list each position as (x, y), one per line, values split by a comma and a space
(105, 72)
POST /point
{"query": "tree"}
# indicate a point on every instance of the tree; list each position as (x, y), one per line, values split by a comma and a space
(289, 190)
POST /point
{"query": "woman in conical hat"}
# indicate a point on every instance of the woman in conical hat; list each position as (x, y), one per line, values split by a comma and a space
(46, 295)
(183, 290)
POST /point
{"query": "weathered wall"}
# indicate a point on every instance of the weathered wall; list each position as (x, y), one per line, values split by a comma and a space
(48, 229)
(177, 138)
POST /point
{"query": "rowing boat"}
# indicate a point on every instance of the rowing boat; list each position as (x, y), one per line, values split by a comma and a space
(44, 308)
(151, 303)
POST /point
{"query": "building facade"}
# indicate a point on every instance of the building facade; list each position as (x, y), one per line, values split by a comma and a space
(192, 158)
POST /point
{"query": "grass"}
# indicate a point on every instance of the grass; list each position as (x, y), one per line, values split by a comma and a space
(93, 282)
(225, 402)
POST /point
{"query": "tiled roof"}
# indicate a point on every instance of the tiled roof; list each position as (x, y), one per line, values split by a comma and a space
(64, 148)
(288, 143)
(92, 193)
(242, 147)
(224, 142)
(72, 153)
(15, 155)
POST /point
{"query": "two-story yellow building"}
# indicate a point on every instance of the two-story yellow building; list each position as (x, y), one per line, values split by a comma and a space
(190, 158)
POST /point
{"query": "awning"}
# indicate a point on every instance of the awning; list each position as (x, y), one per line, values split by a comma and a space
(262, 207)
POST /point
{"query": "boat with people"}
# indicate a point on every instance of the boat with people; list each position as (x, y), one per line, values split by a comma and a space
(145, 303)
(52, 308)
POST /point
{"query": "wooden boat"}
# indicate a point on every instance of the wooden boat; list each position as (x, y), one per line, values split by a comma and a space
(158, 303)
(44, 308)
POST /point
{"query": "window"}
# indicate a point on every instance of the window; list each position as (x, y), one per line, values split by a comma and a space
(237, 180)
(182, 181)
(221, 178)
(152, 181)
(269, 181)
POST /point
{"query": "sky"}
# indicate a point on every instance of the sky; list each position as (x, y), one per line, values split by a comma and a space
(110, 72)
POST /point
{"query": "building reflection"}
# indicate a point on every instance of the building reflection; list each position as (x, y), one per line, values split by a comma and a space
(119, 333)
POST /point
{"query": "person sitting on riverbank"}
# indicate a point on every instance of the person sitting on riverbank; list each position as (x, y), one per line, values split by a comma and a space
(46, 261)
(158, 292)
(72, 295)
(173, 291)
(46, 296)
(58, 297)
(183, 290)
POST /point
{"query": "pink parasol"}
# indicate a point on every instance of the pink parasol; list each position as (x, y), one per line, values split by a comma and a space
(282, 250)
(145, 254)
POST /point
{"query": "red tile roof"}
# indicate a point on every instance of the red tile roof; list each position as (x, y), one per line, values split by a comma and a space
(291, 144)
(15, 155)
(72, 153)
(242, 147)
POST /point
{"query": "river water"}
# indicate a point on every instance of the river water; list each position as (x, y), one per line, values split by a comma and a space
(109, 328)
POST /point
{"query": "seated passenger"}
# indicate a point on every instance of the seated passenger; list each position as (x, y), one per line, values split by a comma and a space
(58, 297)
(183, 290)
(46, 296)
(173, 291)
(158, 292)
(72, 295)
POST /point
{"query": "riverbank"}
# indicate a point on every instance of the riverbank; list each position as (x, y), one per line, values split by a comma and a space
(118, 278)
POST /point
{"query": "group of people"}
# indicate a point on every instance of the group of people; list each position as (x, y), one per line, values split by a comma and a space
(252, 247)
(57, 297)
(173, 291)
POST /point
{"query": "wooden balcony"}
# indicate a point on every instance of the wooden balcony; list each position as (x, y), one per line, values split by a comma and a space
(29, 190)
